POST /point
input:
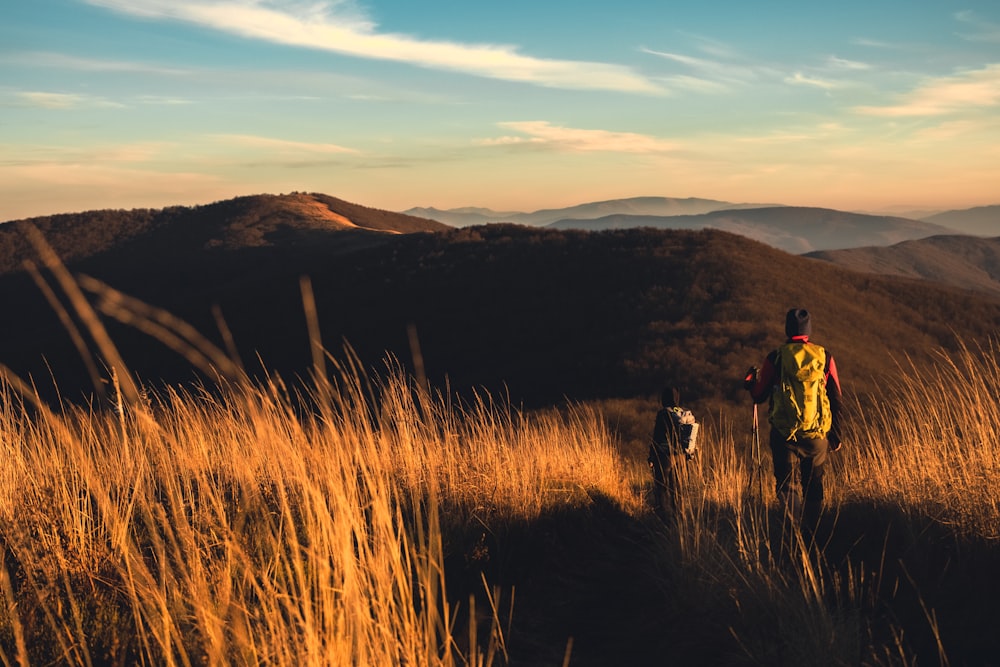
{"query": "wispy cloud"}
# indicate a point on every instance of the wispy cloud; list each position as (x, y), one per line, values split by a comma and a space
(728, 72)
(38, 99)
(63, 61)
(159, 100)
(339, 27)
(817, 134)
(59, 101)
(268, 143)
(800, 79)
(49, 100)
(835, 63)
(130, 153)
(972, 89)
(695, 83)
(983, 31)
(875, 43)
(829, 75)
(951, 131)
(543, 134)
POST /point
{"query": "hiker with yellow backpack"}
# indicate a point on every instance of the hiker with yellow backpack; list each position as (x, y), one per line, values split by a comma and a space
(800, 380)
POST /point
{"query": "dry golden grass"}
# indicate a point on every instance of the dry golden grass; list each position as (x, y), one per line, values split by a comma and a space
(237, 527)
(232, 527)
(249, 524)
(931, 449)
(914, 490)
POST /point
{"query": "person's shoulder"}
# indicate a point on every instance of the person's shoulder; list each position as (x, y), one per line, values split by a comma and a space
(820, 346)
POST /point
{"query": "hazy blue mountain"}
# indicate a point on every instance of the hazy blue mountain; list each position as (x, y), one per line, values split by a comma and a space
(904, 212)
(662, 206)
(463, 217)
(979, 221)
(793, 229)
(968, 262)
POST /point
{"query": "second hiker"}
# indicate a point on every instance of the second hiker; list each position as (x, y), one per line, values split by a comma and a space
(675, 439)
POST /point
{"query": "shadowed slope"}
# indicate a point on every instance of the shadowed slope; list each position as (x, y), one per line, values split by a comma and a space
(538, 314)
(253, 221)
(967, 262)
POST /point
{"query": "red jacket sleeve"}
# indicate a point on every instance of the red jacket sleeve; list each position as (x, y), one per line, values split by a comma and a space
(761, 390)
(834, 394)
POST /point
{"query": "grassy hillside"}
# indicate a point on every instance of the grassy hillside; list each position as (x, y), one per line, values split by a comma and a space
(546, 314)
(966, 262)
(252, 221)
(540, 315)
(286, 518)
(394, 527)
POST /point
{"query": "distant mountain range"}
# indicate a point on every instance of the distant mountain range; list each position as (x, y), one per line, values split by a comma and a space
(979, 221)
(648, 206)
(536, 314)
(968, 262)
(793, 229)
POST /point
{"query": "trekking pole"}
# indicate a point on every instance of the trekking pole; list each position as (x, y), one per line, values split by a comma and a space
(758, 460)
(750, 529)
(759, 512)
(754, 452)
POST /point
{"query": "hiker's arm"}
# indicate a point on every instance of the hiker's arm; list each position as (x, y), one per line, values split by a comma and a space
(835, 395)
(658, 439)
(660, 429)
(760, 391)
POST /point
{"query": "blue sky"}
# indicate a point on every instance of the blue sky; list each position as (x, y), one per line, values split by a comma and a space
(520, 105)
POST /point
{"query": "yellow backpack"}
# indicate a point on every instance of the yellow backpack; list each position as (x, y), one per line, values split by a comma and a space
(800, 407)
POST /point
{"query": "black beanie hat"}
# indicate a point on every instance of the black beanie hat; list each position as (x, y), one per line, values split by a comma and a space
(798, 322)
(670, 396)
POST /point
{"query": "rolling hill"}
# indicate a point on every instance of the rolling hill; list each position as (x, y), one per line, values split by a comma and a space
(793, 229)
(966, 262)
(296, 219)
(539, 315)
(979, 221)
(655, 206)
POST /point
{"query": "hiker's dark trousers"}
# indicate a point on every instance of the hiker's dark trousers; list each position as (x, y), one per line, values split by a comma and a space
(811, 454)
(667, 465)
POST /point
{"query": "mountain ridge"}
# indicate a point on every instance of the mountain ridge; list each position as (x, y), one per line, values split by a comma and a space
(795, 229)
(541, 315)
(249, 221)
(967, 262)
(979, 220)
(647, 205)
